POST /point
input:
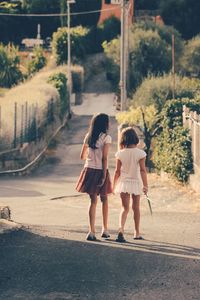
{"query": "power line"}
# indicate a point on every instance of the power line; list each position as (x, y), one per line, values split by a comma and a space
(59, 15)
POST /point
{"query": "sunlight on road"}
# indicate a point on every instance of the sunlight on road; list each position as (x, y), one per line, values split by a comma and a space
(96, 103)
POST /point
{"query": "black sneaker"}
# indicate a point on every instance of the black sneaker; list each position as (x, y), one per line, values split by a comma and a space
(105, 235)
(120, 238)
(91, 237)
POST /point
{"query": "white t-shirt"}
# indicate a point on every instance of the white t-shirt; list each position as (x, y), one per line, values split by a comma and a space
(94, 156)
(130, 178)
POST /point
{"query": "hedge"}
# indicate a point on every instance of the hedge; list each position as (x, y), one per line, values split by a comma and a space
(59, 81)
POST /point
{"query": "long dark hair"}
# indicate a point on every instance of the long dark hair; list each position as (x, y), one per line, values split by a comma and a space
(99, 124)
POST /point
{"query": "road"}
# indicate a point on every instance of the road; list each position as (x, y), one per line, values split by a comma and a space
(49, 258)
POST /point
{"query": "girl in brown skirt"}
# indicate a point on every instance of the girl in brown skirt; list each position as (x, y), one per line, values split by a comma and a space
(94, 178)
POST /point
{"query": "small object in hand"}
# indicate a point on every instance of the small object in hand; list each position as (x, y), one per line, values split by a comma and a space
(149, 203)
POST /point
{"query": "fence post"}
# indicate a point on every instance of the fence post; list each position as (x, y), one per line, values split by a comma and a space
(194, 136)
(0, 121)
(22, 126)
(15, 126)
(26, 122)
(198, 141)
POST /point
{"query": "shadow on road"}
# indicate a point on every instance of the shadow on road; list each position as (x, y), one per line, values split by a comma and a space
(38, 267)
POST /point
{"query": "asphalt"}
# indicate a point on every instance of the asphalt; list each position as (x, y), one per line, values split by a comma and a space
(47, 256)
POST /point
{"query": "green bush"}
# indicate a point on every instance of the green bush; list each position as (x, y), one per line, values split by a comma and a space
(59, 81)
(97, 35)
(77, 79)
(172, 150)
(37, 62)
(157, 90)
(165, 32)
(149, 52)
(10, 73)
(172, 153)
(78, 44)
(191, 57)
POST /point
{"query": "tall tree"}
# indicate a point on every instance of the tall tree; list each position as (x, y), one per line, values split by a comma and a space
(183, 15)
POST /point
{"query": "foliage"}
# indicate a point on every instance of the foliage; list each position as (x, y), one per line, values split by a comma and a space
(191, 57)
(146, 118)
(110, 28)
(59, 81)
(157, 90)
(172, 149)
(77, 79)
(172, 153)
(78, 43)
(146, 4)
(165, 32)
(9, 66)
(149, 52)
(86, 19)
(37, 62)
(15, 29)
(183, 15)
(112, 51)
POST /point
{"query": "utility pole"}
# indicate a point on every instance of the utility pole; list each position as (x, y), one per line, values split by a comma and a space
(173, 65)
(123, 52)
(69, 52)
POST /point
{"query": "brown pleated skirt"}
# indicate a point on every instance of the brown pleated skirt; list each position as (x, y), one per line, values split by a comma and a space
(88, 182)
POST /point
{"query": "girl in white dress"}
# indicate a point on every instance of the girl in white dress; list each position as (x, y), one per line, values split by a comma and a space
(130, 179)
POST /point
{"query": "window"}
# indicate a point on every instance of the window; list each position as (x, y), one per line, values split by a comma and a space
(115, 1)
(112, 1)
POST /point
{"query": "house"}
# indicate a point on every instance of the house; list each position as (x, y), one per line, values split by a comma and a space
(113, 8)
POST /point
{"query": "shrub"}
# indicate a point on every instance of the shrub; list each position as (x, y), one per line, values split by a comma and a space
(172, 150)
(191, 57)
(149, 52)
(37, 62)
(78, 44)
(157, 90)
(59, 81)
(77, 79)
(165, 32)
(172, 153)
(10, 73)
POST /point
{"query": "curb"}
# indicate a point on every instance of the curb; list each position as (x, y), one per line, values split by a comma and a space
(8, 226)
(27, 169)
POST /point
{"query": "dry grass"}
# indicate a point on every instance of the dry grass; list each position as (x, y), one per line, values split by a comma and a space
(36, 92)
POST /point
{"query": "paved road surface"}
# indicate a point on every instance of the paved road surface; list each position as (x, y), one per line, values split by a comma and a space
(50, 259)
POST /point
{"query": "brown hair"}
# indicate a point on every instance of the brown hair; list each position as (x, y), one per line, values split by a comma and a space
(128, 137)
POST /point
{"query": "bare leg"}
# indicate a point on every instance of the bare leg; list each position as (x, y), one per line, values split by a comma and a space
(104, 200)
(125, 197)
(92, 213)
(136, 213)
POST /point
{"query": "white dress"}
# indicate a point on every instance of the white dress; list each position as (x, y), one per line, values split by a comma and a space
(130, 179)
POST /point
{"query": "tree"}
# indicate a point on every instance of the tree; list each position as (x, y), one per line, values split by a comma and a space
(191, 57)
(146, 4)
(9, 66)
(183, 15)
(87, 19)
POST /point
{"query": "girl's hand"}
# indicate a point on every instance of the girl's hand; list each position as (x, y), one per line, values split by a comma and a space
(145, 190)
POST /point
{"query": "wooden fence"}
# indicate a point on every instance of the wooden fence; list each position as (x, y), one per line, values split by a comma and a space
(191, 120)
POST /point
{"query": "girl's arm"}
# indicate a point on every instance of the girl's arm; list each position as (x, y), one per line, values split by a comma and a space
(117, 172)
(143, 173)
(83, 154)
(104, 162)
